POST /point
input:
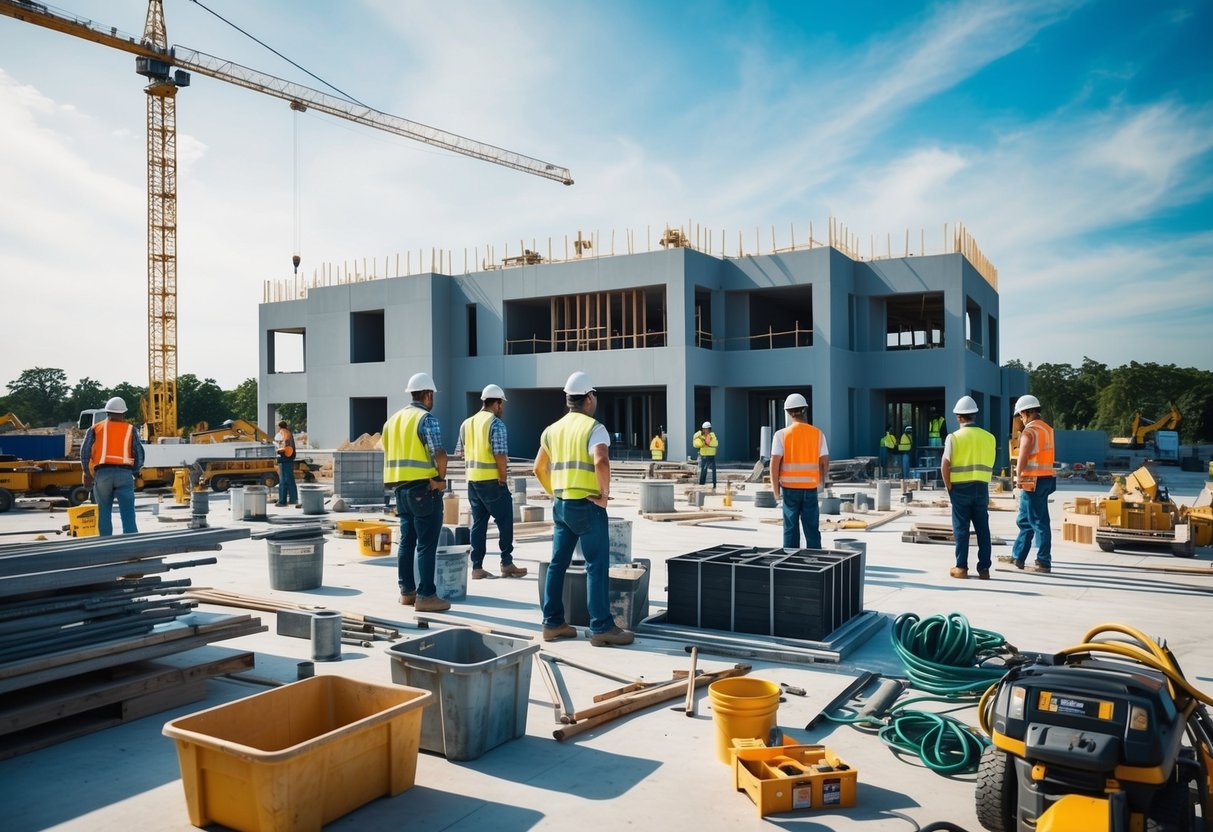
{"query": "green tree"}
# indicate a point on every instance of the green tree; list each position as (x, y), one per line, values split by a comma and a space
(87, 393)
(242, 401)
(295, 413)
(37, 396)
(199, 401)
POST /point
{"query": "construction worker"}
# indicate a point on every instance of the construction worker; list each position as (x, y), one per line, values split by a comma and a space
(484, 443)
(968, 462)
(112, 455)
(414, 464)
(284, 444)
(574, 467)
(1034, 474)
(800, 462)
(936, 426)
(706, 442)
(888, 445)
(657, 446)
(905, 449)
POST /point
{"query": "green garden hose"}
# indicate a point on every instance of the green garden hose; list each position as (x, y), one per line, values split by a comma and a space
(944, 655)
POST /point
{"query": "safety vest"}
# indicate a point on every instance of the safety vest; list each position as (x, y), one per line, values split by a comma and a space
(656, 446)
(972, 454)
(566, 442)
(904, 443)
(112, 444)
(477, 450)
(706, 444)
(935, 428)
(887, 441)
(1040, 463)
(405, 456)
(801, 456)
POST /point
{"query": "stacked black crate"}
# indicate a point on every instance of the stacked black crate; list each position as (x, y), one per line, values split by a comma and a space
(754, 588)
(683, 593)
(800, 606)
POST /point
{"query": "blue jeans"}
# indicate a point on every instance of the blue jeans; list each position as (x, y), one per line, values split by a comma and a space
(109, 483)
(706, 462)
(287, 491)
(971, 504)
(1033, 520)
(420, 511)
(579, 520)
(800, 510)
(905, 464)
(490, 498)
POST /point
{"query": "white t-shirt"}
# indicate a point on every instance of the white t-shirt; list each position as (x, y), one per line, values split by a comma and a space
(777, 444)
(598, 436)
(947, 447)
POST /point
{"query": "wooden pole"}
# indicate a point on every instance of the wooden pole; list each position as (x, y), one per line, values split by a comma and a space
(689, 710)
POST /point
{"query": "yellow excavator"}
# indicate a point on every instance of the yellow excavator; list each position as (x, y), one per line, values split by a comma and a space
(1141, 430)
(9, 421)
(232, 430)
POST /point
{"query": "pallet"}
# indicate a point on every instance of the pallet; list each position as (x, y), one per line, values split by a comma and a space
(53, 712)
(677, 516)
(938, 533)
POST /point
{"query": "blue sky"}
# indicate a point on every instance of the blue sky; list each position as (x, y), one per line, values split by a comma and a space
(1073, 139)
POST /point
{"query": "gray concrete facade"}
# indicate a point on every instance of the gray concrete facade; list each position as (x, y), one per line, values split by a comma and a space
(866, 342)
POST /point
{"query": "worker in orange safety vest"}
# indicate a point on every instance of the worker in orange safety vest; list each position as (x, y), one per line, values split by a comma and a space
(800, 462)
(112, 455)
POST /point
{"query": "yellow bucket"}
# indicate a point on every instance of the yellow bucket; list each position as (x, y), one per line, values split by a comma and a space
(742, 708)
(82, 520)
(374, 540)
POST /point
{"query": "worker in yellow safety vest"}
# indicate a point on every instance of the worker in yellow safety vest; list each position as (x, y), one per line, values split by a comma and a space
(1034, 474)
(573, 466)
(936, 426)
(111, 457)
(968, 462)
(800, 462)
(905, 450)
(657, 446)
(414, 465)
(888, 446)
(706, 442)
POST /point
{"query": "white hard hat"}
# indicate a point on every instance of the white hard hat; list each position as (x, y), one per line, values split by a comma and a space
(794, 402)
(1028, 402)
(492, 391)
(419, 383)
(965, 406)
(706, 425)
(115, 405)
(579, 384)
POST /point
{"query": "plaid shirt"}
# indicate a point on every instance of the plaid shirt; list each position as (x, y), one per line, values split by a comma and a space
(430, 431)
(499, 441)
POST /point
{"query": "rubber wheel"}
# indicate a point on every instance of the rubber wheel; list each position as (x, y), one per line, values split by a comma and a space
(269, 480)
(997, 791)
(78, 495)
(1173, 808)
(1107, 545)
(6, 500)
(220, 484)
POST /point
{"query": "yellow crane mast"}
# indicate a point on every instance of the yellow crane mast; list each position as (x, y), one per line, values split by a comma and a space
(166, 68)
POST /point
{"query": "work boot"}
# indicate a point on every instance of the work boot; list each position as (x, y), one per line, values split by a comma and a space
(1005, 559)
(432, 603)
(1037, 567)
(613, 636)
(480, 573)
(984, 574)
(563, 631)
(408, 598)
(509, 570)
(958, 572)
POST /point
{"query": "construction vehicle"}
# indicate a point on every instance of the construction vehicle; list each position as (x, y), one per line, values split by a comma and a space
(233, 430)
(1138, 511)
(1096, 744)
(9, 421)
(167, 70)
(50, 478)
(1144, 431)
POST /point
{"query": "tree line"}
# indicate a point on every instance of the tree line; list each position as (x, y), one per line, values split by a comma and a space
(42, 397)
(1093, 396)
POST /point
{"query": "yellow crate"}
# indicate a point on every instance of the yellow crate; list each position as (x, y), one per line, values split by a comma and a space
(349, 528)
(757, 771)
(298, 756)
(82, 520)
(375, 540)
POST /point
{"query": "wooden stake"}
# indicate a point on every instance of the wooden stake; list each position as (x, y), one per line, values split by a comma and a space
(689, 710)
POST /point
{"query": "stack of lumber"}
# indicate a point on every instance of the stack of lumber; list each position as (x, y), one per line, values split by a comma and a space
(91, 634)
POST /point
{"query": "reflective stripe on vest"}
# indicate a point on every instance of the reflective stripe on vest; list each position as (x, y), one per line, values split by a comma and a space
(904, 443)
(405, 456)
(477, 450)
(1040, 462)
(112, 444)
(972, 456)
(706, 444)
(566, 441)
(801, 457)
(887, 441)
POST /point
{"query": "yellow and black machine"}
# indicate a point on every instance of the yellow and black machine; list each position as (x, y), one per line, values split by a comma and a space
(1115, 743)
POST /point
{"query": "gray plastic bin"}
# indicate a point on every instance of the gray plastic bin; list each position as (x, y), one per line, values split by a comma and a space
(481, 685)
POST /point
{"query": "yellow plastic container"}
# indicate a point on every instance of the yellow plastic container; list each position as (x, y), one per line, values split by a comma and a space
(299, 756)
(790, 778)
(742, 708)
(374, 540)
(82, 520)
(349, 528)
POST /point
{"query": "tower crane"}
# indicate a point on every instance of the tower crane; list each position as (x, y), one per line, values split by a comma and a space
(167, 69)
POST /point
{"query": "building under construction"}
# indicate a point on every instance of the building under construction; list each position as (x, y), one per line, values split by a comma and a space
(671, 338)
